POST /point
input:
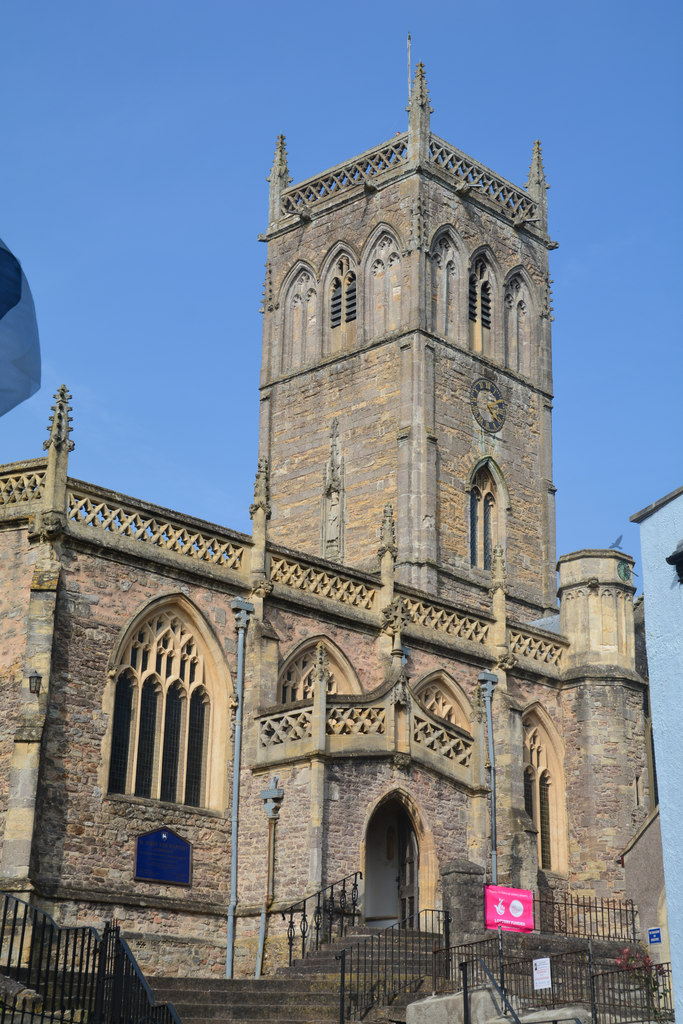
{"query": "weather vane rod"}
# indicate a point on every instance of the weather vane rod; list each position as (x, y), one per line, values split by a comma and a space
(409, 85)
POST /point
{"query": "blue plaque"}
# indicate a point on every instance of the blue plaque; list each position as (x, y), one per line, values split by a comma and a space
(162, 856)
(654, 935)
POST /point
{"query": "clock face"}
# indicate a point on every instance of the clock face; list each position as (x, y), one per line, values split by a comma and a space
(488, 405)
(624, 570)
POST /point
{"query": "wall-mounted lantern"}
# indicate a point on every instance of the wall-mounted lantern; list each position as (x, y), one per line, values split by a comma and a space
(34, 682)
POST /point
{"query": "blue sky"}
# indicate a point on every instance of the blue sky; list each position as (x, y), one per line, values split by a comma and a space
(136, 138)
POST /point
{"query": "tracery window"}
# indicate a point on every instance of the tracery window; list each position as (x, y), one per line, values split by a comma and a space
(384, 286)
(485, 526)
(480, 308)
(543, 793)
(299, 674)
(161, 714)
(444, 284)
(439, 696)
(518, 325)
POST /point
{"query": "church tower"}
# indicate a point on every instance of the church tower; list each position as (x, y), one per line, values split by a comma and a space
(407, 361)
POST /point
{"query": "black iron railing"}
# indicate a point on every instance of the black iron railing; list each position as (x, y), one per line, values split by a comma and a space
(330, 911)
(447, 963)
(585, 916)
(639, 994)
(612, 992)
(398, 959)
(70, 974)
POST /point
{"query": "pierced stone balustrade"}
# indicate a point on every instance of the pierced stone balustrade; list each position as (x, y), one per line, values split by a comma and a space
(538, 648)
(354, 724)
(21, 484)
(94, 508)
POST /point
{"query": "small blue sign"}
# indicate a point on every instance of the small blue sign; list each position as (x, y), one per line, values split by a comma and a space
(162, 856)
(654, 935)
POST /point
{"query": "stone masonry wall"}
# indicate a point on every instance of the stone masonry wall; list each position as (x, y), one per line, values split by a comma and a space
(85, 843)
(388, 402)
(16, 570)
(604, 732)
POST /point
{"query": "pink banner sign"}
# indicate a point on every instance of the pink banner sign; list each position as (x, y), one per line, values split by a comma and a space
(512, 909)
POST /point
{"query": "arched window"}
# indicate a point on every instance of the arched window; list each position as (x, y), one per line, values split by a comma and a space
(300, 321)
(480, 307)
(300, 671)
(544, 790)
(518, 326)
(384, 286)
(444, 286)
(161, 714)
(485, 524)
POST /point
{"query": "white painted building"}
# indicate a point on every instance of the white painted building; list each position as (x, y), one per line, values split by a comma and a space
(661, 541)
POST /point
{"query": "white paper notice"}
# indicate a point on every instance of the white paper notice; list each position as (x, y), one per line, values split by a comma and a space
(542, 973)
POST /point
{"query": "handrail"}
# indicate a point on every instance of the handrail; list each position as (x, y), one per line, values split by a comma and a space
(326, 907)
(499, 990)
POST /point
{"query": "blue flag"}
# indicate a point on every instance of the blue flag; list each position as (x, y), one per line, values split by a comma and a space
(19, 345)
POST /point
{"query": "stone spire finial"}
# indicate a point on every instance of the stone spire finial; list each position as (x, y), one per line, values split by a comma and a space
(49, 523)
(388, 532)
(537, 186)
(498, 567)
(261, 490)
(279, 178)
(419, 110)
(321, 672)
(59, 426)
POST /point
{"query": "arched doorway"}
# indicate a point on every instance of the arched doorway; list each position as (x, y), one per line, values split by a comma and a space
(391, 866)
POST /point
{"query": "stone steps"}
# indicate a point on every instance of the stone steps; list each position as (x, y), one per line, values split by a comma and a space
(250, 1000)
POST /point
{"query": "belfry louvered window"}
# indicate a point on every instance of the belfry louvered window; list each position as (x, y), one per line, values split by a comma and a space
(480, 306)
(161, 715)
(336, 303)
(350, 311)
(343, 294)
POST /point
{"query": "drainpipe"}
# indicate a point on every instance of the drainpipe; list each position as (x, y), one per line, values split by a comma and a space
(489, 680)
(242, 610)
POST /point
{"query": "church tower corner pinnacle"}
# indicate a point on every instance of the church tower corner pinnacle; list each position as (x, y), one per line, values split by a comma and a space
(536, 184)
(279, 178)
(419, 109)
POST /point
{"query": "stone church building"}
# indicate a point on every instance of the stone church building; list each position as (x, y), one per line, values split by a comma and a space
(403, 543)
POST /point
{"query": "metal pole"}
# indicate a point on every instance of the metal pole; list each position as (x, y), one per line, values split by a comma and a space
(465, 994)
(272, 800)
(594, 1005)
(489, 679)
(242, 610)
(342, 986)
